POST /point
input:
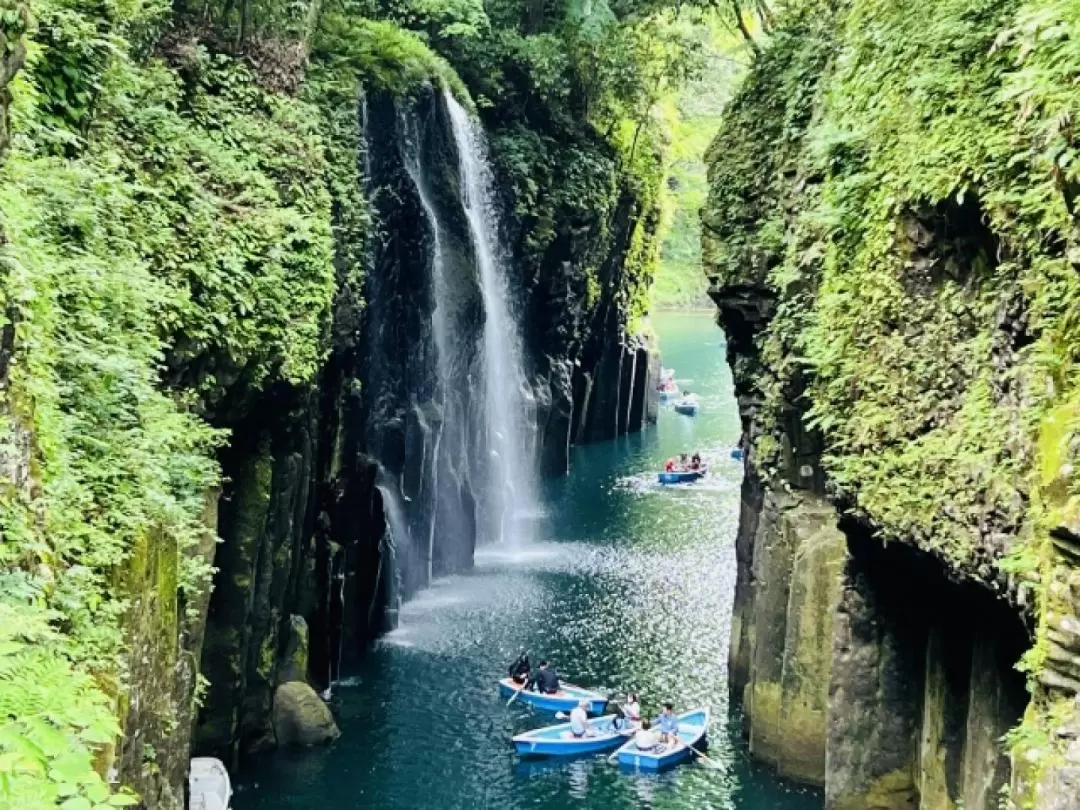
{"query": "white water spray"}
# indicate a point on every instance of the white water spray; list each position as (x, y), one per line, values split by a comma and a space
(508, 408)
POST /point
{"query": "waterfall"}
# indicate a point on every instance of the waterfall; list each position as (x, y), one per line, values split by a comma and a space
(395, 537)
(440, 326)
(447, 411)
(507, 404)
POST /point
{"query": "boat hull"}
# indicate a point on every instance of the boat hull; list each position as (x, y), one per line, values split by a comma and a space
(693, 728)
(562, 701)
(685, 410)
(558, 741)
(681, 476)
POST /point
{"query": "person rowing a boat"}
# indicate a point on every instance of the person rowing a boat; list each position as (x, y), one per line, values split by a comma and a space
(669, 724)
(695, 461)
(646, 738)
(579, 719)
(545, 681)
(520, 669)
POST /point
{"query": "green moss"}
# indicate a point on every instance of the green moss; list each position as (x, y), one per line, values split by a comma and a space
(896, 210)
(893, 791)
(385, 56)
(903, 187)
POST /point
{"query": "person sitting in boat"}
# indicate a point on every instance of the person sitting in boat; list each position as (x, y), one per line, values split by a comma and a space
(520, 669)
(579, 719)
(626, 714)
(684, 462)
(646, 738)
(695, 461)
(670, 466)
(545, 681)
(669, 725)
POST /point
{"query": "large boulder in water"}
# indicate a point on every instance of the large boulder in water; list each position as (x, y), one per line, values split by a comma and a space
(301, 718)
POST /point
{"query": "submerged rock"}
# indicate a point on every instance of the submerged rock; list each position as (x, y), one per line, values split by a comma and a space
(301, 718)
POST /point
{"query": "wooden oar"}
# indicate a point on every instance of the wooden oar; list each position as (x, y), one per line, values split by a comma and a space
(715, 765)
(518, 692)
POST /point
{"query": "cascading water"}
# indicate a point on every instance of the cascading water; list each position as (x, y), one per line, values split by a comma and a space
(447, 413)
(397, 532)
(508, 407)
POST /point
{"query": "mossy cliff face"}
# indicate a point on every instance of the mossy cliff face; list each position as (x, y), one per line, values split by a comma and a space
(889, 238)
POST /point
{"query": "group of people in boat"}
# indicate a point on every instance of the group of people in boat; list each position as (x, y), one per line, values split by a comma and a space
(627, 714)
(544, 680)
(682, 464)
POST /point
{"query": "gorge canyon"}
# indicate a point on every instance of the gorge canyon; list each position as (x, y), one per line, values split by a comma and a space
(304, 301)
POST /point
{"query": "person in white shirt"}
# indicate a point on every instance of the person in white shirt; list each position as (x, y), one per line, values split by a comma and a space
(579, 719)
(631, 710)
(645, 738)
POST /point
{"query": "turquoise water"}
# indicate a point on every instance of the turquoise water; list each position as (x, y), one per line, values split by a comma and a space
(629, 587)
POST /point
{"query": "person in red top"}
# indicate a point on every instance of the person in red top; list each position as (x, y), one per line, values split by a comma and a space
(670, 466)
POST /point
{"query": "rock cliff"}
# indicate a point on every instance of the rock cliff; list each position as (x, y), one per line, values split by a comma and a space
(885, 232)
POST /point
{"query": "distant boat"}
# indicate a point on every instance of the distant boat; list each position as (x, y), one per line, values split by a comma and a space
(562, 701)
(737, 453)
(688, 405)
(682, 476)
(559, 741)
(693, 726)
(208, 784)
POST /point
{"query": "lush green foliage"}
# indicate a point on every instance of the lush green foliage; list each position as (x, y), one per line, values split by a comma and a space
(696, 114)
(914, 217)
(177, 219)
(55, 717)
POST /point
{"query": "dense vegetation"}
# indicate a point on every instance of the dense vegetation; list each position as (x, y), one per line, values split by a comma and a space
(180, 206)
(696, 115)
(903, 186)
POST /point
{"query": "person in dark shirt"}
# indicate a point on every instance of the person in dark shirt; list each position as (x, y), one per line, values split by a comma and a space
(519, 670)
(545, 681)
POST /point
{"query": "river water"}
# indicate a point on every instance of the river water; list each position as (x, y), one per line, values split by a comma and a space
(628, 586)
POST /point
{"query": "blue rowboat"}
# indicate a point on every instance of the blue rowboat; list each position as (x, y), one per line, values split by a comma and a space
(693, 726)
(681, 476)
(562, 701)
(737, 453)
(558, 741)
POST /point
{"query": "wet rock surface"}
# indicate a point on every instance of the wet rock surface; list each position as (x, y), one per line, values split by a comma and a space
(301, 719)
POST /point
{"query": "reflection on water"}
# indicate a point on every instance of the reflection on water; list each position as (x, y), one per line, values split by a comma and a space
(629, 587)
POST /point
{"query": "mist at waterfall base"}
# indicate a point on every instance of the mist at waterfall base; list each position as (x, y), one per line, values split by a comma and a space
(628, 586)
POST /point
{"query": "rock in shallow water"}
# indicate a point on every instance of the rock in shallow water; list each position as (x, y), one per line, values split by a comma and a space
(301, 718)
